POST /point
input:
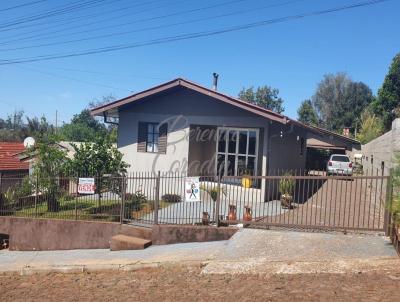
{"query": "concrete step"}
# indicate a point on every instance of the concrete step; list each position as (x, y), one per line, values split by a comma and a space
(136, 231)
(123, 242)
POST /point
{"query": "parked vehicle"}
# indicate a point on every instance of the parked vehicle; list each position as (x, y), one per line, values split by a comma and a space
(339, 164)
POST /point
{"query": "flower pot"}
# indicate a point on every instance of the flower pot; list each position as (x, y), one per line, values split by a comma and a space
(232, 212)
(286, 201)
(205, 220)
(247, 182)
(247, 214)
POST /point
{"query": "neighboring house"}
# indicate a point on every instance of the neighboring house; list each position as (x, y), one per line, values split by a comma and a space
(10, 167)
(185, 127)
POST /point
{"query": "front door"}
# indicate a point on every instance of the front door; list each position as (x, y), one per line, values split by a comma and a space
(237, 151)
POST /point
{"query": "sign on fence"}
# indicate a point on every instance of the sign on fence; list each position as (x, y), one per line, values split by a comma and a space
(86, 186)
(192, 189)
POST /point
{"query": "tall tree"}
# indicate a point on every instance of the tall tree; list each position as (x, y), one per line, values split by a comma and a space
(263, 96)
(387, 105)
(307, 114)
(339, 101)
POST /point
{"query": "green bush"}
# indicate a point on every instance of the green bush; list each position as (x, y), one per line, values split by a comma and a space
(286, 185)
(171, 198)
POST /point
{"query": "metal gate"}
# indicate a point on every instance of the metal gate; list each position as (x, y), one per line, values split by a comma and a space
(311, 201)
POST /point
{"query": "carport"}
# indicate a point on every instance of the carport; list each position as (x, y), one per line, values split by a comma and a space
(322, 143)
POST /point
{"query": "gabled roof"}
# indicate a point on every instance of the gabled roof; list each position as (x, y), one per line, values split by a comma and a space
(104, 110)
(8, 160)
(179, 82)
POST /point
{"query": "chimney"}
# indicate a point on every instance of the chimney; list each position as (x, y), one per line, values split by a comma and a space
(215, 82)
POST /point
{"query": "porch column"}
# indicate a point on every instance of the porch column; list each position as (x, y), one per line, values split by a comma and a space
(264, 161)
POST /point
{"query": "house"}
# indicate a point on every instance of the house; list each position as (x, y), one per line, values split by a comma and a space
(183, 126)
(10, 167)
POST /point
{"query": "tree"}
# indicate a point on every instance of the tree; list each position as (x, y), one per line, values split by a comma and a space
(264, 96)
(49, 165)
(98, 159)
(307, 114)
(83, 128)
(371, 127)
(387, 105)
(339, 101)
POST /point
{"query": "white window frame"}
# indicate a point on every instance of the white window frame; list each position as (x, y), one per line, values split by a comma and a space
(237, 154)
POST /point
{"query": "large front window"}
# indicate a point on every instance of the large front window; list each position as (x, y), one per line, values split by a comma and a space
(237, 151)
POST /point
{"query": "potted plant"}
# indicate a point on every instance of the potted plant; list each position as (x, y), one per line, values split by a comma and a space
(286, 188)
(246, 179)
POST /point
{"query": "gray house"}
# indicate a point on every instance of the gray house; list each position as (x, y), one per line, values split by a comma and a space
(185, 127)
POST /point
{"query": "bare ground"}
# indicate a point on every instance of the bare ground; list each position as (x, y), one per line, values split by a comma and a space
(186, 283)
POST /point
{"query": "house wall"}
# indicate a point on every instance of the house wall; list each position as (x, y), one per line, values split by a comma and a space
(180, 109)
(382, 149)
(285, 151)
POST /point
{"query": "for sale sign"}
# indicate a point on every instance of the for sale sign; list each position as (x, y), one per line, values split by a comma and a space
(86, 186)
(192, 189)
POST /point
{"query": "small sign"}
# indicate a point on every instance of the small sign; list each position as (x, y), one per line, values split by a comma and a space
(192, 189)
(86, 186)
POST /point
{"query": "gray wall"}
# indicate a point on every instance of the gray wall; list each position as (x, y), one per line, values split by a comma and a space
(181, 109)
(285, 151)
(382, 149)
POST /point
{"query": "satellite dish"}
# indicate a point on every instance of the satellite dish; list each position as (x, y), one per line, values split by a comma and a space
(29, 142)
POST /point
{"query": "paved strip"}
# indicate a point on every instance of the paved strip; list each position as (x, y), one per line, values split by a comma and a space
(248, 250)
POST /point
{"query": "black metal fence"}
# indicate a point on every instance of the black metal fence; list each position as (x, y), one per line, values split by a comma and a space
(306, 199)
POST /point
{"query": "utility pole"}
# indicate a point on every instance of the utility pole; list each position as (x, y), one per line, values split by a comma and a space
(56, 121)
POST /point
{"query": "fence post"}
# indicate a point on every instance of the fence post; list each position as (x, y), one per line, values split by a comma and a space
(76, 199)
(123, 191)
(156, 204)
(218, 202)
(36, 193)
(388, 205)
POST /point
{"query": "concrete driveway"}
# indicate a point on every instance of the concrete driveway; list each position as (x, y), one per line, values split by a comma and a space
(249, 250)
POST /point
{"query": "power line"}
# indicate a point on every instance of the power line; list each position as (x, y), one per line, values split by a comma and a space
(82, 17)
(240, 12)
(21, 5)
(63, 10)
(182, 12)
(190, 35)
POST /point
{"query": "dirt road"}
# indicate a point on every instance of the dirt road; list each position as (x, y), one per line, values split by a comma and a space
(177, 283)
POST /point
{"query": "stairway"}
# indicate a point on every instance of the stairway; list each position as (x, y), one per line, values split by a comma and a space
(131, 238)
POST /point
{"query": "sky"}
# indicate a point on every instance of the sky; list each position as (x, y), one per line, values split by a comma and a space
(292, 55)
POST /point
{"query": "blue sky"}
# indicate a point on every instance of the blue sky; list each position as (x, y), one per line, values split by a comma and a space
(292, 56)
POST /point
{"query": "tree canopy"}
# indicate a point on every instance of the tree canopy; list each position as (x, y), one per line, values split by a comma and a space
(387, 104)
(339, 101)
(307, 114)
(264, 96)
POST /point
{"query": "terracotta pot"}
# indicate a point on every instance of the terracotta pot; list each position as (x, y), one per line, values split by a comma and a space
(206, 218)
(247, 214)
(232, 212)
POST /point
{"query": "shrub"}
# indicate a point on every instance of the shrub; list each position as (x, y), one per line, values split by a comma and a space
(171, 198)
(286, 185)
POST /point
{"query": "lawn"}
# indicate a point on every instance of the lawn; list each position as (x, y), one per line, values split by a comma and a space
(87, 208)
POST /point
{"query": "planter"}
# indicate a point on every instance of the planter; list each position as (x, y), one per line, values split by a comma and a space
(247, 214)
(205, 220)
(232, 212)
(286, 201)
(247, 182)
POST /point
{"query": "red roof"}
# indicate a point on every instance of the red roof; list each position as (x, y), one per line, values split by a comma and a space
(8, 160)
